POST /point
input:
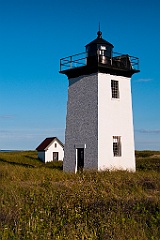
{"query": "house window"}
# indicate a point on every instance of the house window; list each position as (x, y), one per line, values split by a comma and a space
(55, 145)
(115, 88)
(116, 146)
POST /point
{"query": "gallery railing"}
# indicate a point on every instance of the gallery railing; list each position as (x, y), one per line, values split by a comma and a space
(117, 60)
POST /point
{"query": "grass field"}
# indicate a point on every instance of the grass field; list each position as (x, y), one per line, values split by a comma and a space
(40, 202)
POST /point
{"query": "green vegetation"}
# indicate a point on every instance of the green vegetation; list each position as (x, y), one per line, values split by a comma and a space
(40, 202)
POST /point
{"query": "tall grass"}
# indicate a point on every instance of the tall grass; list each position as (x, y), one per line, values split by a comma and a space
(39, 201)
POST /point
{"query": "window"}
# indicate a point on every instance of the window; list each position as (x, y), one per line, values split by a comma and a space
(115, 88)
(55, 145)
(117, 146)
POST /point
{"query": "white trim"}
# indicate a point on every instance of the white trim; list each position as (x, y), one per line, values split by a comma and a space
(76, 161)
(80, 146)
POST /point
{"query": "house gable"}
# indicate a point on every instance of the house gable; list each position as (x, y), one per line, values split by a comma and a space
(47, 142)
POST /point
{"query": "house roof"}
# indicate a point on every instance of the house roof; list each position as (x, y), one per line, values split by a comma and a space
(45, 144)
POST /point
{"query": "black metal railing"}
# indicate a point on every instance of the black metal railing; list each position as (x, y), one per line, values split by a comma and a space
(77, 60)
(117, 60)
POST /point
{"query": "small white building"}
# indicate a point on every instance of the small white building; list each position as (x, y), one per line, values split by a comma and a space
(51, 149)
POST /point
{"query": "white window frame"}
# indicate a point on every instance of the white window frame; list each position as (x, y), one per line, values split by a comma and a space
(117, 148)
(115, 89)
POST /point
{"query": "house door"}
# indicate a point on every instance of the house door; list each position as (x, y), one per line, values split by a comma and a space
(55, 156)
(80, 159)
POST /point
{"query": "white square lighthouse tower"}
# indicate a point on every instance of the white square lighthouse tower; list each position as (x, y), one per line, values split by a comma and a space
(99, 124)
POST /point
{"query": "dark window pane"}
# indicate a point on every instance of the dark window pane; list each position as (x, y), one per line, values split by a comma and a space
(115, 89)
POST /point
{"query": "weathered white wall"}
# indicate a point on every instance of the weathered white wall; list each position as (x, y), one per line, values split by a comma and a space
(82, 122)
(115, 119)
(47, 156)
(51, 149)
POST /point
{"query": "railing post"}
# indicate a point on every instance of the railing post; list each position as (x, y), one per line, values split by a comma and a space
(60, 65)
(86, 56)
(127, 62)
(98, 55)
(70, 62)
(138, 63)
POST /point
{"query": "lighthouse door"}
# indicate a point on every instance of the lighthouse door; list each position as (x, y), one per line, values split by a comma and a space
(80, 159)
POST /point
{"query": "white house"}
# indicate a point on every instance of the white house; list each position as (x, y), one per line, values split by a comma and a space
(51, 149)
(99, 124)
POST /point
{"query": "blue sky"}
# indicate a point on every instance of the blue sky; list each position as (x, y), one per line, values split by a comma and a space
(35, 34)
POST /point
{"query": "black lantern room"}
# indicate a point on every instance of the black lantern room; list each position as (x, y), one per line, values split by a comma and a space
(99, 57)
(99, 50)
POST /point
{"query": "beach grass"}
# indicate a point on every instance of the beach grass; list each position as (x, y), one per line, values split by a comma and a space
(40, 201)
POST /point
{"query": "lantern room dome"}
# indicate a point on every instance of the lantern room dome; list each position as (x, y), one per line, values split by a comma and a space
(99, 40)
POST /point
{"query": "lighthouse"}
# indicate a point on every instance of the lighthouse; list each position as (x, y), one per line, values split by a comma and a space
(99, 131)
